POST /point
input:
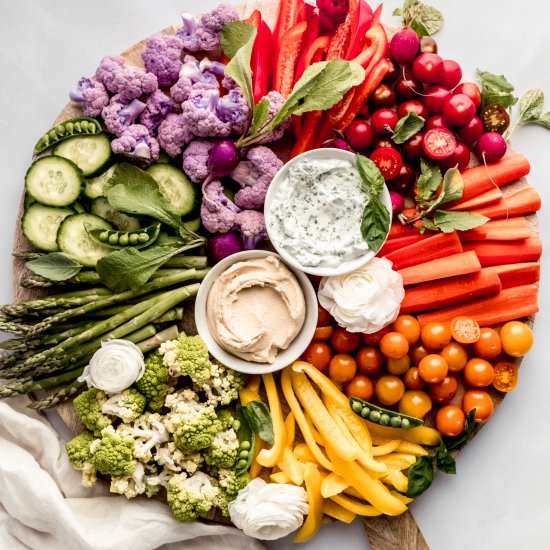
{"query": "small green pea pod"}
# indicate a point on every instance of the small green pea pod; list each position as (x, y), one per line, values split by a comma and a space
(124, 239)
(382, 416)
(65, 130)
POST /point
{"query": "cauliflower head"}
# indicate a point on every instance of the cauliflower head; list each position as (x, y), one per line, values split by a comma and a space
(155, 384)
(127, 405)
(187, 356)
(230, 484)
(191, 497)
(80, 456)
(175, 460)
(88, 407)
(224, 449)
(223, 385)
(113, 455)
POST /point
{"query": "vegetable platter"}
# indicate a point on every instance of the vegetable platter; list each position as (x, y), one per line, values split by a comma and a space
(371, 523)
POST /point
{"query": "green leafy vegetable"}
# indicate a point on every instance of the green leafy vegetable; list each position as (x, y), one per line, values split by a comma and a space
(54, 266)
(424, 20)
(260, 114)
(531, 105)
(496, 89)
(259, 418)
(245, 433)
(421, 475)
(406, 127)
(372, 178)
(457, 221)
(428, 181)
(444, 460)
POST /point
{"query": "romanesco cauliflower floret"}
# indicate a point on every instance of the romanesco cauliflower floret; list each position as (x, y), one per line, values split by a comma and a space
(112, 455)
(223, 385)
(147, 432)
(155, 384)
(187, 356)
(128, 405)
(175, 460)
(143, 481)
(191, 497)
(224, 449)
(230, 484)
(88, 407)
(78, 451)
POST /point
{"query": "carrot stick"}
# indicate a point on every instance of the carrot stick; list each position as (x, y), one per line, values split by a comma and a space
(438, 246)
(509, 304)
(498, 230)
(506, 252)
(526, 201)
(399, 230)
(438, 294)
(482, 178)
(516, 274)
(396, 244)
(442, 268)
(489, 197)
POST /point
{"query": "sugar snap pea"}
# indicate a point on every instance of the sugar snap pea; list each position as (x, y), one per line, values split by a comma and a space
(122, 239)
(67, 129)
(384, 417)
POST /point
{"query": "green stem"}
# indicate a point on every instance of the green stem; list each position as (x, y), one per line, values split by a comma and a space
(174, 314)
(181, 261)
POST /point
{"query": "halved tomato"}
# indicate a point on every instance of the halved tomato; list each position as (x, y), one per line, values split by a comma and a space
(506, 376)
(465, 330)
(439, 143)
(389, 162)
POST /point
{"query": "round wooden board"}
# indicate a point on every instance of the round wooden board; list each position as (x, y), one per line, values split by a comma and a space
(384, 532)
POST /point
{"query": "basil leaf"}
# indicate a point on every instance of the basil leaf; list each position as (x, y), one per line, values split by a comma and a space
(421, 475)
(429, 180)
(457, 221)
(444, 461)
(372, 178)
(496, 89)
(245, 433)
(260, 114)
(458, 442)
(54, 266)
(453, 186)
(259, 418)
(530, 105)
(375, 223)
(406, 127)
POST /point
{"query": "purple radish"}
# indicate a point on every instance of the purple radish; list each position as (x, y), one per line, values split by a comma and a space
(223, 244)
(223, 158)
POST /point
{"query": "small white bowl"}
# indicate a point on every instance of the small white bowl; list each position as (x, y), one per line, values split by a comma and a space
(284, 357)
(280, 176)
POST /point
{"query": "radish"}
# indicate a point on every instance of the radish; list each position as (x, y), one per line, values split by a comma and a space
(404, 46)
(491, 147)
(397, 203)
(223, 158)
(222, 245)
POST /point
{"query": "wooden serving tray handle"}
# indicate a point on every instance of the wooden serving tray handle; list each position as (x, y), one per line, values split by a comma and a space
(394, 533)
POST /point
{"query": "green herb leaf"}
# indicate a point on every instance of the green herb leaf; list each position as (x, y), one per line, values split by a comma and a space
(531, 104)
(544, 120)
(444, 461)
(234, 36)
(458, 442)
(448, 222)
(260, 114)
(54, 266)
(429, 224)
(259, 418)
(406, 127)
(375, 223)
(423, 19)
(245, 433)
(496, 89)
(372, 178)
(453, 186)
(421, 475)
(429, 180)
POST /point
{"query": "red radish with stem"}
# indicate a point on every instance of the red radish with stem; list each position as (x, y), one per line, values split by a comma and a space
(491, 147)
(404, 46)
(397, 203)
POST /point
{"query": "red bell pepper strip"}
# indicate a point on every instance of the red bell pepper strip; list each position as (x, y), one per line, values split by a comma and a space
(254, 18)
(312, 54)
(363, 23)
(377, 14)
(342, 36)
(261, 61)
(308, 135)
(332, 117)
(289, 50)
(376, 41)
(301, 12)
(288, 16)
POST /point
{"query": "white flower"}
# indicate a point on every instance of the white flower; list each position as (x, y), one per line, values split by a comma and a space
(115, 366)
(365, 300)
(269, 511)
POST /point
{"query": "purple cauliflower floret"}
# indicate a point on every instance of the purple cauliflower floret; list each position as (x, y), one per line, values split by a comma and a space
(195, 160)
(190, 77)
(200, 114)
(228, 83)
(276, 101)
(108, 67)
(157, 106)
(174, 134)
(233, 109)
(251, 224)
(212, 67)
(137, 144)
(133, 82)
(188, 32)
(120, 114)
(218, 213)
(254, 175)
(92, 96)
(162, 57)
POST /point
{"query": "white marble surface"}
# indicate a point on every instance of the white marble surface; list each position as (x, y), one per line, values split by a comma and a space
(500, 496)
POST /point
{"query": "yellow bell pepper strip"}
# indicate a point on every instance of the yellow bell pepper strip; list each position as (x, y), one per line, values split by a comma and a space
(269, 457)
(398, 480)
(369, 488)
(333, 484)
(356, 507)
(338, 512)
(402, 498)
(352, 492)
(386, 449)
(279, 477)
(290, 428)
(411, 449)
(300, 417)
(421, 435)
(253, 382)
(246, 395)
(290, 465)
(316, 435)
(304, 454)
(397, 461)
(325, 384)
(311, 525)
(331, 433)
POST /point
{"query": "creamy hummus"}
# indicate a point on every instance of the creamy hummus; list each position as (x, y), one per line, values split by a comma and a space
(256, 308)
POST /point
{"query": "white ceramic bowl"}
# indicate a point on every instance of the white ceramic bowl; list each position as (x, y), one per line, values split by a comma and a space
(284, 357)
(280, 176)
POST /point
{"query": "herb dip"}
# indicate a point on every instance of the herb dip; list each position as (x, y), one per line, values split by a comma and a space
(317, 211)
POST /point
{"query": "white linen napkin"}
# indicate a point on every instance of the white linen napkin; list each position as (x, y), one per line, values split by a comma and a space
(43, 505)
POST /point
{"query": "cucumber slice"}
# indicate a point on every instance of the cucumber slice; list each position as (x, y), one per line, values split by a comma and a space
(54, 181)
(193, 225)
(73, 239)
(90, 153)
(98, 186)
(40, 224)
(123, 222)
(175, 186)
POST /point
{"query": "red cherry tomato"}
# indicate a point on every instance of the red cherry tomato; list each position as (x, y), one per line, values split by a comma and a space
(343, 341)
(318, 354)
(451, 75)
(407, 86)
(444, 391)
(360, 386)
(418, 352)
(383, 96)
(470, 133)
(458, 110)
(436, 121)
(412, 106)
(389, 162)
(413, 380)
(439, 143)
(323, 317)
(460, 158)
(369, 360)
(434, 98)
(471, 90)
(405, 180)
(428, 68)
(359, 134)
(379, 142)
(450, 420)
(374, 338)
(382, 118)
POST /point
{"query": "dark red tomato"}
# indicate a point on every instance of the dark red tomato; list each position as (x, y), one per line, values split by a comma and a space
(471, 90)
(436, 121)
(379, 142)
(405, 180)
(389, 162)
(323, 317)
(434, 96)
(470, 133)
(369, 360)
(412, 148)
(458, 110)
(428, 68)
(343, 341)
(382, 118)
(392, 74)
(495, 118)
(383, 96)
(444, 391)
(407, 86)
(439, 143)
(365, 109)
(460, 157)
(374, 338)
(359, 134)
(428, 45)
(318, 354)
(452, 74)
(414, 106)
(413, 380)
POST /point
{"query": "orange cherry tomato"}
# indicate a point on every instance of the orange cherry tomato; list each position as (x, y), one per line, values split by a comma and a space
(418, 352)
(478, 373)
(394, 344)
(444, 391)
(360, 386)
(408, 326)
(323, 333)
(398, 366)
(435, 336)
(342, 367)
(433, 368)
(369, 360)
(479, 400)
(389, 389)
(489, 345)
(506, 376)
(465, 330)
(323, 316)
(450, 420)
(415, 403)
(375, 338)
(413, 380)
(517, 338)
(318, 354)
(343, 341)
(456, 356)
